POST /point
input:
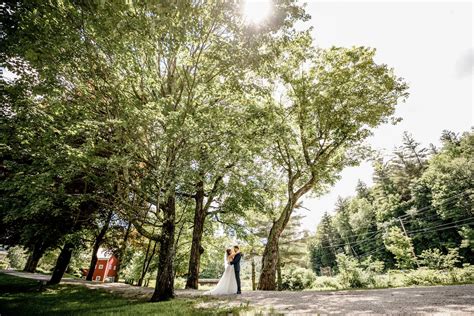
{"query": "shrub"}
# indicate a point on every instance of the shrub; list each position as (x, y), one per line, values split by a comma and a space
(372, 268)
(467, 234)
(350, 274)
(395, 278)
(48, 261)
(179, 283)
(17, 257)
(326, 283)
(4, 263)
(380, 280)
(463, 275)
(424, 276)
(400, 246)
(297, 279)
(435, 259)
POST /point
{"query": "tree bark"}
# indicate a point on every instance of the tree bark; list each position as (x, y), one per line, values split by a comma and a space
(270, 254)
(200, 214)
(253, 275)
(146, 262)
(279, 281)
(164, 288)
(198, 229)
(98, 241)
(122, 251)
(142, 275)
(62, 263)
(34, 257)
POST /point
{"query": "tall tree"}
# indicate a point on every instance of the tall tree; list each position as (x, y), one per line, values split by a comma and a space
(335, 98)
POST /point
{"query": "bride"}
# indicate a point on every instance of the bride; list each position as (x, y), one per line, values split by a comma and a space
(227, 283)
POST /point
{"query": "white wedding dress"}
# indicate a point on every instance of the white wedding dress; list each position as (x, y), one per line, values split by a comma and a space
(227, 283)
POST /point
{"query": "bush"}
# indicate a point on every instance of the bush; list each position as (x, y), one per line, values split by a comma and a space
(17, 257)
(4, 263)
(48, 261)
(350, 274)
(397, 278)
(326, 283)
(435, 259)
(424, 276)
(297, 279)
(380, 280)
(400, 246)
(371, 270)
(179, 283)
(462, 275)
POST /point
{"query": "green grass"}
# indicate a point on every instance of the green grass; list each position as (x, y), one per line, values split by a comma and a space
(20, 296)
(397, 278)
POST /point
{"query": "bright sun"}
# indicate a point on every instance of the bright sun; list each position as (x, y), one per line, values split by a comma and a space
(256, 11)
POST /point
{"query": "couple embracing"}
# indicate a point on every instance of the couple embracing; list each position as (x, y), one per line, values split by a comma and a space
(229, 283)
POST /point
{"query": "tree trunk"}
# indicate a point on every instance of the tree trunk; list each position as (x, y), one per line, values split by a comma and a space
(122, 251)
(98, 241)
(270, 254)
(34, 257)
(279, 281)
(62, 263)
(164, 288)
(253, 275)
(196, 248)
(142, 275)
(146, 262)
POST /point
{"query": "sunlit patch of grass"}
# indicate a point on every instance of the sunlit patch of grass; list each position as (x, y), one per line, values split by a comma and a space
(19, 296)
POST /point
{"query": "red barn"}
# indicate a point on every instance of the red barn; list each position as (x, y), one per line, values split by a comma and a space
(105, 268)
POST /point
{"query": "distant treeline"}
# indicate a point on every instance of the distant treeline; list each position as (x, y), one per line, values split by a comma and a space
(419, 207)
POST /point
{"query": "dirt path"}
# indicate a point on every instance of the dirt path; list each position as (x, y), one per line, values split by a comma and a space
(457, 299)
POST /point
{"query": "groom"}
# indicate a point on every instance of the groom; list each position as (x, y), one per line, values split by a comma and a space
(236, 263)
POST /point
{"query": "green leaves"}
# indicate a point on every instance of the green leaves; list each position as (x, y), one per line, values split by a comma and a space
(429, 194)
(401, 247)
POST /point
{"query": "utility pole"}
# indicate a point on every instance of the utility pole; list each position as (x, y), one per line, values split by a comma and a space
(412, 249)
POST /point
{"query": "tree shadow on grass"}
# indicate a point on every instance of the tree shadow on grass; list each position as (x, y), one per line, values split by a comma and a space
(20, 296)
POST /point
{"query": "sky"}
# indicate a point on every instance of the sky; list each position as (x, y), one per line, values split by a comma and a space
(430, 44)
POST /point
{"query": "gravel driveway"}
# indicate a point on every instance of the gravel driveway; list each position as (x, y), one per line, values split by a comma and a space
(456, 299)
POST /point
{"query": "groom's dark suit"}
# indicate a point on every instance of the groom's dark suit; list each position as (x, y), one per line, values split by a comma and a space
(236, 263)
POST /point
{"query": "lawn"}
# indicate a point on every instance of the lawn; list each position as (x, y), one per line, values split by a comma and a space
(20, 296)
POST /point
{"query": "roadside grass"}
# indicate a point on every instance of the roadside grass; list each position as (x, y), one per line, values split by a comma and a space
(398, 278)
(20, 296)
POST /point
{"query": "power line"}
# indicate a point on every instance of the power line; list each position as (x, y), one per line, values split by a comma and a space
(454, 226)
(364, 255)
(403, 216)
(374, 234)
(428, 207)
(436, 228)
(431, 228)
(439, 228)
(420, 218)
(352, 243)
(363, 234)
